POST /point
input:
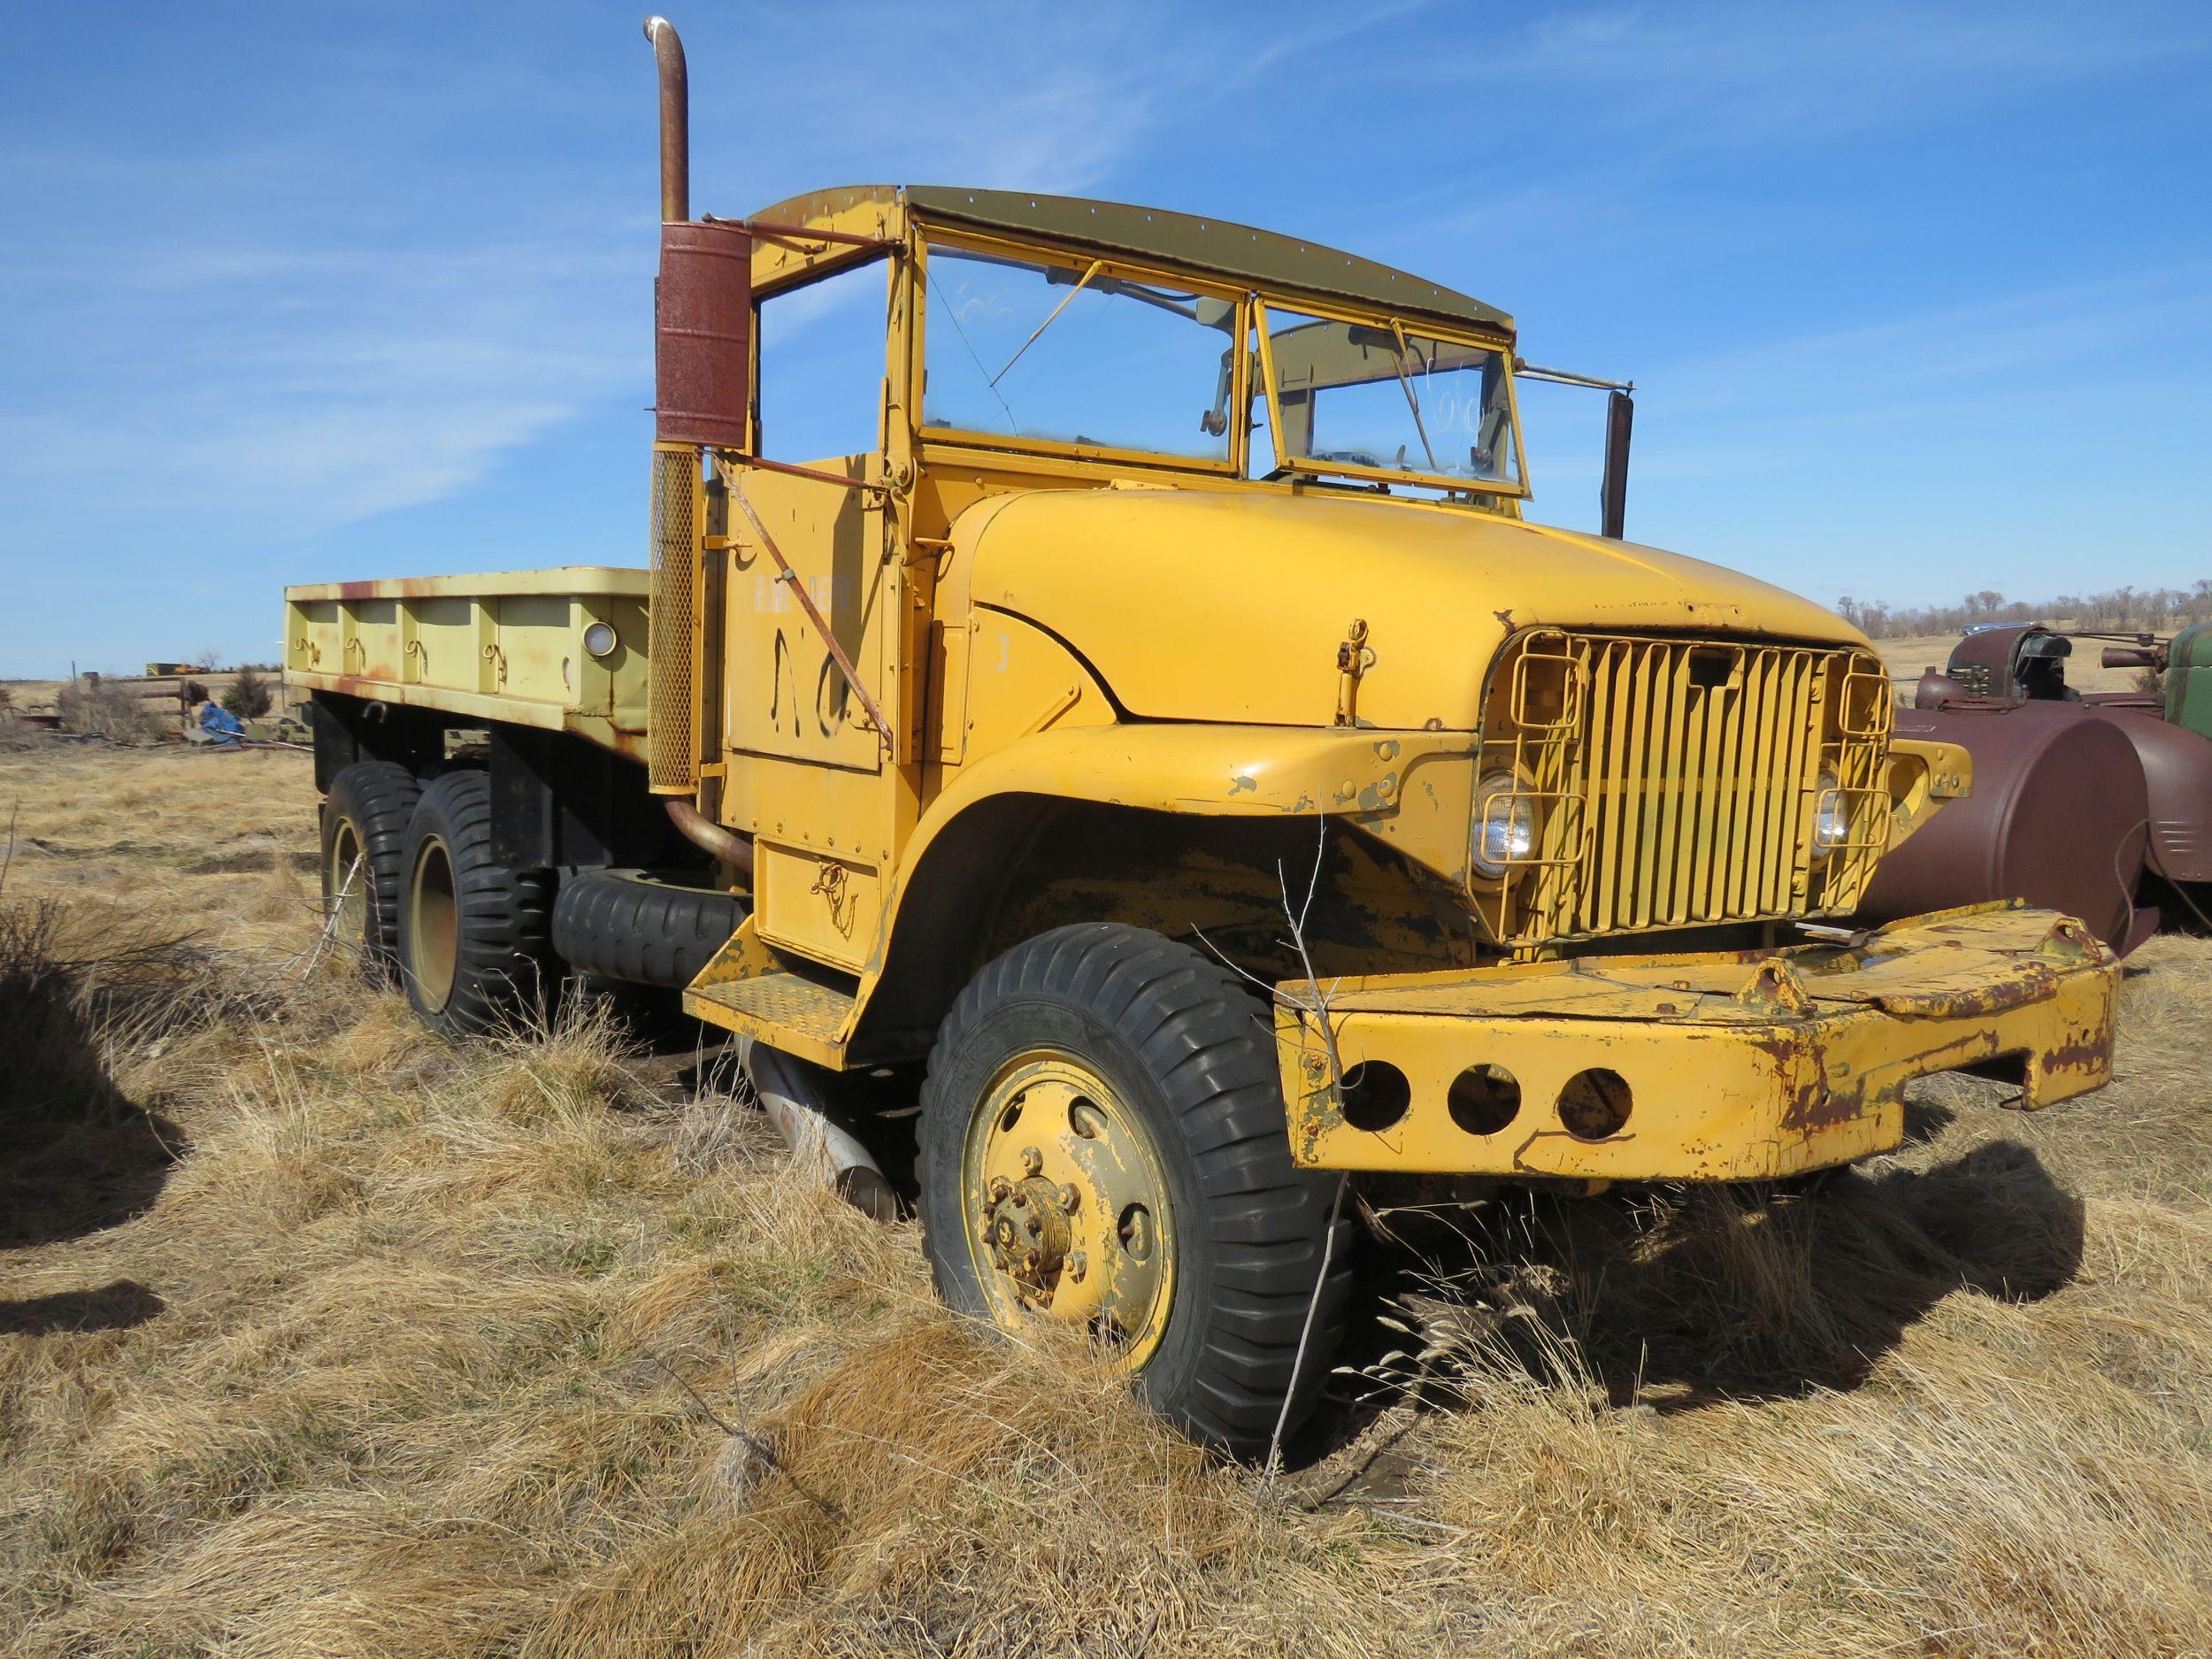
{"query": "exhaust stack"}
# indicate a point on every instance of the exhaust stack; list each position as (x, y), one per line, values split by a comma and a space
(668, 54)
(702, 312)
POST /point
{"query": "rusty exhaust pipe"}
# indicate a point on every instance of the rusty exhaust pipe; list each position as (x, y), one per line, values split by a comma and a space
(703, 833)
(668, 53)
(823, 1149)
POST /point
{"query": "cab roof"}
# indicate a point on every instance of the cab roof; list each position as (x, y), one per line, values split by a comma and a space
(1260, 258)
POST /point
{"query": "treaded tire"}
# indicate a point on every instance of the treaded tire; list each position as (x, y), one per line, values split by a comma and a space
(645, 929)
(1192, 1054)
(472, 933)
(371, 803)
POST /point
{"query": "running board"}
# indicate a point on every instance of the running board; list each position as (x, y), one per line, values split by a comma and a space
(749, 989)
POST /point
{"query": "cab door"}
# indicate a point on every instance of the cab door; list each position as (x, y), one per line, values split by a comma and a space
(824, 792)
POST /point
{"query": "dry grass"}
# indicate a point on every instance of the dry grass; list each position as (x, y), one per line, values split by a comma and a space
(114, 711)
(412, 1351)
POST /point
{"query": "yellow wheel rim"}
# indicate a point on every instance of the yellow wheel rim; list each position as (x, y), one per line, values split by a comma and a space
(434, 933)
(1065, 1206)
(348, 885)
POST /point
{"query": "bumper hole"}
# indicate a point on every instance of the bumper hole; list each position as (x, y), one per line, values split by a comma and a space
(1594, 1103)
(2011, 1069)
(1376, 1095)
(1483, 1099)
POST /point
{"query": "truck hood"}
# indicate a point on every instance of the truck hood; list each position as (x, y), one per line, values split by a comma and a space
(1218, 605)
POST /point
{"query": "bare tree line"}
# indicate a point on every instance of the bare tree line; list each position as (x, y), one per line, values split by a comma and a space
(2119, 610)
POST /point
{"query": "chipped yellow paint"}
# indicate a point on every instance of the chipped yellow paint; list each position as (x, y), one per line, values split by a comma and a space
(508, 645)
(1065, 1205)
(1738, 1066)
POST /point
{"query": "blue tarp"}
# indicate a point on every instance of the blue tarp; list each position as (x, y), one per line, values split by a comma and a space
(219, 725)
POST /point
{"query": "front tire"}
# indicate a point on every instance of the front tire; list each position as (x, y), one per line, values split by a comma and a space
(1102, 1142)
(471, 932)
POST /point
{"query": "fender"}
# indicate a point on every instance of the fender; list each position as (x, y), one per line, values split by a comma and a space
(1397, 785)
(1924, 773)
(1384, 781)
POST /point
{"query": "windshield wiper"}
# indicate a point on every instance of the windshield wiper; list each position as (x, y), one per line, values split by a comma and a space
(1413, 400)
(1085, 282)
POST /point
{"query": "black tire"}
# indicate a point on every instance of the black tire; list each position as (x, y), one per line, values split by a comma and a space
(640, 927)
(472, 933)
(365, 816)
(1192, 1054)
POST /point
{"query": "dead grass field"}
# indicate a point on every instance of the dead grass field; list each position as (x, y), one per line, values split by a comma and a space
(322, 1339)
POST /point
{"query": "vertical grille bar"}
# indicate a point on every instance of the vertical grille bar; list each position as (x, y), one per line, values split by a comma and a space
(1687, 784)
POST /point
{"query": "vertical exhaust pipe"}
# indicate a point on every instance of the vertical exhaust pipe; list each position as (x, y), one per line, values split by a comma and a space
(668, 55)
(703, 313)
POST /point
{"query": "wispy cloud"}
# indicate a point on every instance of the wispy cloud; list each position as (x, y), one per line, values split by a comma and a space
(1728, 71)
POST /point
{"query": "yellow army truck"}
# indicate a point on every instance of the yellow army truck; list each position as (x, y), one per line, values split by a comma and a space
(1153, 708)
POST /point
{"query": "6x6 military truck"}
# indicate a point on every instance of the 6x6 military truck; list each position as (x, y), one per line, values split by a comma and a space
(1165, 722)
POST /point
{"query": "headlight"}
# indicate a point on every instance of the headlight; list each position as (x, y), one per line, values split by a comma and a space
(1504, 833)
(1832, 819)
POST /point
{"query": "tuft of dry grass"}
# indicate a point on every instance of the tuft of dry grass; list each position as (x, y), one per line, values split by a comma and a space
(523, 1351)
(114, 711)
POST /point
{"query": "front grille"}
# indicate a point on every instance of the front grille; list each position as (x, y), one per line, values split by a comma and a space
(1675, 782)
(672, 711)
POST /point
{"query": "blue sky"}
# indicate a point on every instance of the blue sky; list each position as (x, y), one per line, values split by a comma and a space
(1918, 299)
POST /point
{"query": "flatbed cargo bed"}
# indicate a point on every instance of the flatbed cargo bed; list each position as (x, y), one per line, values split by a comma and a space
(558, 649)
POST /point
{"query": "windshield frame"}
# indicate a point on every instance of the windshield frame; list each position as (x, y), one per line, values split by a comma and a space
(1308, 466)
(929, 439)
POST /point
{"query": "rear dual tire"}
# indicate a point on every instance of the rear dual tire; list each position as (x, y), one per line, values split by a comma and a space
(474, 933)
(364, 821)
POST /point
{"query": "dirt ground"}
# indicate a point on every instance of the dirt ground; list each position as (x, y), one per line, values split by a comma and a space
(318, 1337)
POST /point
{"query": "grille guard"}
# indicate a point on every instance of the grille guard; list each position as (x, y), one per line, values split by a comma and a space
(1675, 780)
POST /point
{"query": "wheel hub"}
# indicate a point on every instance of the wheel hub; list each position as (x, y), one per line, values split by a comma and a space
(1070, 1210)
(1029, 1236)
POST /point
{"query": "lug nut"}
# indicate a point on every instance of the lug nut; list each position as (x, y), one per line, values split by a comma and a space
(1078, 1264)
(1032, 1160)
(999, 1187)
(1069, 1199)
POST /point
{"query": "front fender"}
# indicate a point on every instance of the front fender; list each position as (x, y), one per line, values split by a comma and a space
(1410, 787)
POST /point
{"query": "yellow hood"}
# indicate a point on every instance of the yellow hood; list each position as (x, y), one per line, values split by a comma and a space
(1200, 604)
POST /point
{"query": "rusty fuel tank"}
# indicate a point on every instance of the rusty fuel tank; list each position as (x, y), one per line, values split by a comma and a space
(2176, 765)
(2059, 816)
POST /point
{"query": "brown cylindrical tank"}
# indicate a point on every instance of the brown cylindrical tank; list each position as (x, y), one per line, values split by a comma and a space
(2059, 816)
(2177, 771)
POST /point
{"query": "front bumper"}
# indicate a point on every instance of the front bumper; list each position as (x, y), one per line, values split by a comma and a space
(1738, 1066)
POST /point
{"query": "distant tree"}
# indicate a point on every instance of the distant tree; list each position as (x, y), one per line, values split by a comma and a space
(249, 697)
